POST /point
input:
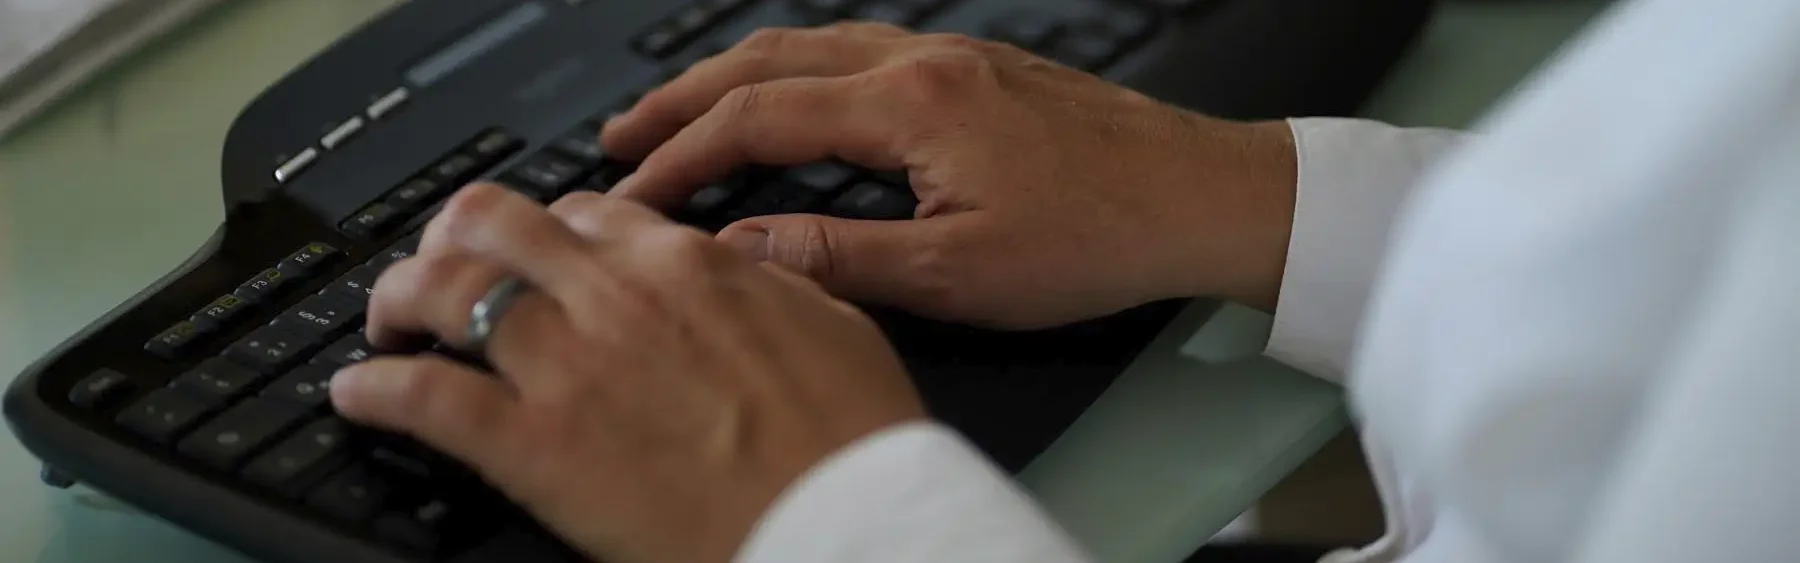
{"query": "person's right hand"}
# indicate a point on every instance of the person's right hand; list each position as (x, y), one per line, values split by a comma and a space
(1048, 195)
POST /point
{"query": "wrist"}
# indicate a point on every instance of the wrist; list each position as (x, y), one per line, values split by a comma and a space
(1241, 213)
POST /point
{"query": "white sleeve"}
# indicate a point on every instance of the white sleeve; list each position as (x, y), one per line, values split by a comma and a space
(917, 493)
(1354, 175)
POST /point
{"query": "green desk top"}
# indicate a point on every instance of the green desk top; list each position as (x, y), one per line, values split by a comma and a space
(118, 183)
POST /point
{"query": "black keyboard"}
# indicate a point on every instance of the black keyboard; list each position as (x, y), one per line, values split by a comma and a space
(204, 400)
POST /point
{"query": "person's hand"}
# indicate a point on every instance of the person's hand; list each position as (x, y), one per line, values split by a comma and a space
(1047, 195)
(657, 390)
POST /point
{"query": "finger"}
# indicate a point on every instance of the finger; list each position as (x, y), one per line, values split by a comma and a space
(782, 123)
(767, 55)
(435, 294)
(598, 217)
(516, 233)
(448, 406)
(882, 262)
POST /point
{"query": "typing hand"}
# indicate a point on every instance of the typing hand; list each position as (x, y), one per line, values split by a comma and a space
(657, 390)
(1047, 195)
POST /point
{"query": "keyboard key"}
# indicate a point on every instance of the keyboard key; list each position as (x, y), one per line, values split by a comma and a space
(408, 461)
(400, 250)
(351, 349)
(660, 41)
(834, 8)
(823, 177)
(901, 14)
(710, 199)
(225, 441)
(262, 286)
(352, 495)
(869, 200)
(1085, 51)
(175, 340)
(693, 19)
(1124, 24)
(222, 311)
(1032, 30)
(415, 195)
(216, 380)
(493, 146)
(582, 144)
(371, 220)
(545, 175)
(307, 387)
(269, 349)
(421, 528)
(357, 285)
(285, 467)
(310, 259)
(164, 414)
(100, 389)
(455, 170)
(321, 315)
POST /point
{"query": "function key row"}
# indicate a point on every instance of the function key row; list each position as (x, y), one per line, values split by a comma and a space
(177, 340)
(682, 27)
(424, 189)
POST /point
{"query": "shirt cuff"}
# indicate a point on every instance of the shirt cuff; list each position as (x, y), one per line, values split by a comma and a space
(913, 493)
(1354, 176)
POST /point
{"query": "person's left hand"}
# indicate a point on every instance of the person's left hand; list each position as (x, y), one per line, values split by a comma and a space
(658, 391)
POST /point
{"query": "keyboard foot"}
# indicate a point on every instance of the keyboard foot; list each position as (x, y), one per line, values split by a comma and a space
(56, 478)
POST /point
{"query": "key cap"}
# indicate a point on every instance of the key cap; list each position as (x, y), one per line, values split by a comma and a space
(371, 220)
(545, 175)
(1032, 30)
(100, 389)
(823, 177)
(164, 414)
(174, 341)
(494, 146)
(415, 195)
(220, 312)
(352, 495)
(421, 528)
(710, 199)
(455, 170)
(269, 349)
(307, 386)
(400, 250)
(285, 467)
(225, 441)
(309, 259)
(217, 380)
(357, 285)
(350, 349)
(321, 315)
(1085, 51)
(873, 201)
(263, 286)
(582, 144)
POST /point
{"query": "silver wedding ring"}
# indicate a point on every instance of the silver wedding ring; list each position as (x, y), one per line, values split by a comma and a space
(487, 312)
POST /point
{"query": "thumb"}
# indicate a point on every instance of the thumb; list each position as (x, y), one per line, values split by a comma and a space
(857, 260)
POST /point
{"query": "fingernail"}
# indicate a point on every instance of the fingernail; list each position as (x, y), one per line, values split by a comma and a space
(350, 385)
(752, 242)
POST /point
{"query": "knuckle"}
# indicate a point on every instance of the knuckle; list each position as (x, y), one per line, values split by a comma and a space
(954, 42)
(768, 39)
(939, 273)
(743, 101)
(815, 257)
(944, 77)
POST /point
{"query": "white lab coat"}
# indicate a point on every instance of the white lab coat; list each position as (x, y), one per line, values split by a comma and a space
(1577, 339)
